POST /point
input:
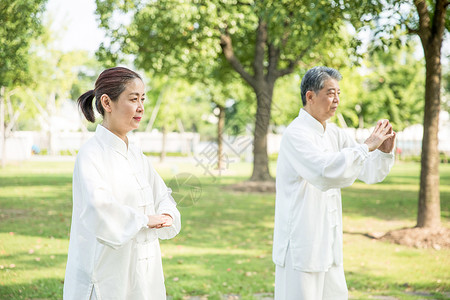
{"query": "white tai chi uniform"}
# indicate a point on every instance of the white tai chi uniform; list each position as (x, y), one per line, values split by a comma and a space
(313, 164)
(112, 253)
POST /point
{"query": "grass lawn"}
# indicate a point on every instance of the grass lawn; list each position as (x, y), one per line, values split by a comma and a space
(226, 240)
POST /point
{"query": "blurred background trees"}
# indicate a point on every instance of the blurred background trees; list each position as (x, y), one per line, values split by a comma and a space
(261, 41)
(17, 31)
(231, 67)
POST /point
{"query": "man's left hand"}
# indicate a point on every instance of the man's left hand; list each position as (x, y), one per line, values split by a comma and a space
(389, 143)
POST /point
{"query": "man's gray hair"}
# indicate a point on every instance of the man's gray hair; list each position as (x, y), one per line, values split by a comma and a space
(314, 80)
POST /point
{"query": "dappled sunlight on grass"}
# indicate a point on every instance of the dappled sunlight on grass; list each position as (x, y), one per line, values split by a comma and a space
(31, 267)
(372, 265)
(225, 243)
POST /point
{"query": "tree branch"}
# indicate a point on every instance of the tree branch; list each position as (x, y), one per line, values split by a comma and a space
(227, 49)
(437, 27)
(292, 63)
(37, 104)
(424, 19)
(411, 30)
(274, 56)
(8, 103)
(13, 120)
(243, 3)
(261, 40)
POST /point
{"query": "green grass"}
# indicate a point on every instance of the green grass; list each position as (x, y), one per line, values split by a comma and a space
(226, 240)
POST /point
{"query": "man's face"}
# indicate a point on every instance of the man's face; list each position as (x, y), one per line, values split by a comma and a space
(323, 105)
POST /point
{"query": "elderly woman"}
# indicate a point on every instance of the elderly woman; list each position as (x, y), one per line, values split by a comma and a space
(121, 206)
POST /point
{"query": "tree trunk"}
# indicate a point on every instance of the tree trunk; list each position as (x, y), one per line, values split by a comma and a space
(2, 125)
(260, 158)
(220, 127)
(162, 155)
(431, 33)
(265, 73)
(429, 214)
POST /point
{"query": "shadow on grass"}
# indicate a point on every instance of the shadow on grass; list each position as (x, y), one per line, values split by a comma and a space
(45, 288)
(370, 285)
(35, 180)
(218, 274)
(385, 204)
(25, 261)
(37, 216)
(411, 179)
(227, 218)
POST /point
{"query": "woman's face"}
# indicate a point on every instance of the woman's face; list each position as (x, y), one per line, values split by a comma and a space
(128, 109)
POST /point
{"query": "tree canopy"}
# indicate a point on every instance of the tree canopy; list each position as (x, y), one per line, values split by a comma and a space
(261, 41)
(21, 23)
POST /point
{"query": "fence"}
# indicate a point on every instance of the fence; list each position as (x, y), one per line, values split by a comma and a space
(21, 144)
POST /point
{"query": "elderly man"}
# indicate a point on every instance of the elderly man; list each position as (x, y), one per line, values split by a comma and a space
(316, 160)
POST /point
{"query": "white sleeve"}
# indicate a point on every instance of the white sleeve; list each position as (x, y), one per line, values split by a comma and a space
(324, 170)
(376, 167)
(164, 204)
(112, 223)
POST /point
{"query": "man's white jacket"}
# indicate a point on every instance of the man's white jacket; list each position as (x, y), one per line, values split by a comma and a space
(313, 165)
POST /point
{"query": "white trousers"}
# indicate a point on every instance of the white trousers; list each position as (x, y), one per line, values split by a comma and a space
(292, 284)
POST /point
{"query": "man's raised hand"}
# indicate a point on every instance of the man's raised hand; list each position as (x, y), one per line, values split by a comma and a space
(388, 143)
(382, 132)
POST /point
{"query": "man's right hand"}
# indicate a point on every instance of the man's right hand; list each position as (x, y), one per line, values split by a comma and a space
(382, 132)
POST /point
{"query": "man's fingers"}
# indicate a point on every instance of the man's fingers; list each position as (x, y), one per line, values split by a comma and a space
(381, 126)
(378, 127)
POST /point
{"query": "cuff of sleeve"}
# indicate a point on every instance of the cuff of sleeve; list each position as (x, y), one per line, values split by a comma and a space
(364, 150)
(168, 213)
(386, 155)
(145, 221)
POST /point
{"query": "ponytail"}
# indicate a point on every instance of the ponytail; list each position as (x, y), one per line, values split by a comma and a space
(85, 103)
(111, 82)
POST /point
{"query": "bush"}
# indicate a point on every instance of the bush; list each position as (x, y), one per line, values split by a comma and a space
(171, 154)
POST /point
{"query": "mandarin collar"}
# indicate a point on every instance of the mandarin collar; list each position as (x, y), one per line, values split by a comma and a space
(311, 122)
(111, 140)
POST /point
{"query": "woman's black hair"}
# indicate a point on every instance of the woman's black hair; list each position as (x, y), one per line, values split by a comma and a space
(111, 82)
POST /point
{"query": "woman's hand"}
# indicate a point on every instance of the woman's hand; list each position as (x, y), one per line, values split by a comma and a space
(159, 221)
(156, 221)
(169, 220)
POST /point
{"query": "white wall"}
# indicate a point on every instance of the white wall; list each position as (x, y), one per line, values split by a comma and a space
(18, 146)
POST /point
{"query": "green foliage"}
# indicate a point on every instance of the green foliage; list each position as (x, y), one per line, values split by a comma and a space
(20, 24)
(86, 75)
(54, 75)
(446, 91)
(400, 19)
(392, 88)
(287, 100)
(397, 87)
(183, 37)
(174, 104)
(261, 41)
(169, 154)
